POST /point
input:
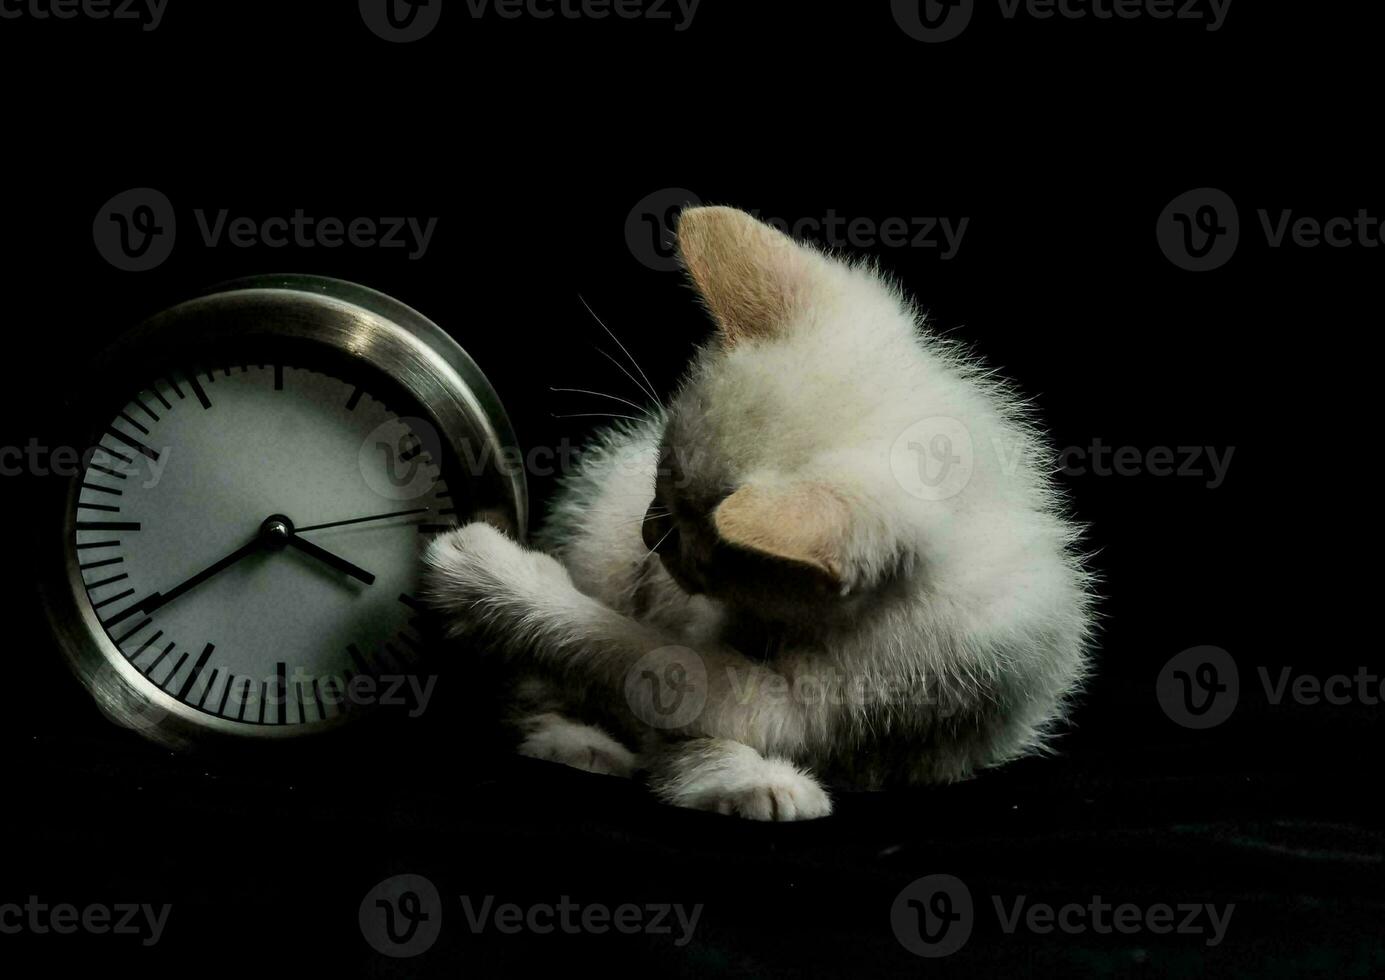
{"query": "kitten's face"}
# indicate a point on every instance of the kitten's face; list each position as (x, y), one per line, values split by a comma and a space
(760, 499)
(678, 526)
(681, 527)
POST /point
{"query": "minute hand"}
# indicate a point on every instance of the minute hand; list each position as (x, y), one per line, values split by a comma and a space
(364, 520)
(158, 600)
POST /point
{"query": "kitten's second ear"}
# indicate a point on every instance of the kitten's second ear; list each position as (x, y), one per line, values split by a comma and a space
(751, 276)
(805, 523)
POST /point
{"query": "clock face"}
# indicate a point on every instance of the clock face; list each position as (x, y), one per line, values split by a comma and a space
(249, 538)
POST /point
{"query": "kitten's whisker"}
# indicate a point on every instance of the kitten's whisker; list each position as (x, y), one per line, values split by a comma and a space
(601, 394)
(648, 386)
(657, 543)
(601, 415)
(643, 390)
(651, 516)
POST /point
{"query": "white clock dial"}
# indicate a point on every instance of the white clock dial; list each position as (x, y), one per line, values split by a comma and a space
(200, 539)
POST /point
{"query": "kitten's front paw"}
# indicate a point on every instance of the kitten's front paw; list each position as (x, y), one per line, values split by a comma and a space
(477, 565)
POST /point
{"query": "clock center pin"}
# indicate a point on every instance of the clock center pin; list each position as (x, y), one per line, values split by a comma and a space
(276, 531)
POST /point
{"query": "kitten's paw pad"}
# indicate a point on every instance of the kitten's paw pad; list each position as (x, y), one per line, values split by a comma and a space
(553, 738)
(801, 799)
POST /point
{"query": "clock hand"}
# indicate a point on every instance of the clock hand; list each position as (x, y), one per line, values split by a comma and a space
(322, 555)
(157, 600)
(276, 532)
(363, 520)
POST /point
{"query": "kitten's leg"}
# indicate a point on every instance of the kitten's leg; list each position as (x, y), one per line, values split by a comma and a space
(547, 727)
(729, 777)
(555, 738)
(526, 604)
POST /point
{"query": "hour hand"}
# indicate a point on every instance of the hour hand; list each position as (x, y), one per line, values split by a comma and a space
(327, 558)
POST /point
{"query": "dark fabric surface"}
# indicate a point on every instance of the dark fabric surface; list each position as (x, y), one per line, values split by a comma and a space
(280, 857)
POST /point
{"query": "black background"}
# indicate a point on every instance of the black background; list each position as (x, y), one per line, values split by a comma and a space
(532, 142)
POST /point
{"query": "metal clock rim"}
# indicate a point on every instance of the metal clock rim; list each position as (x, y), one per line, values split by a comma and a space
(347, 318)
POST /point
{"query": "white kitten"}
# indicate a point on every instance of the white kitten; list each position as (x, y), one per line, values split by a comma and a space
(837, 552)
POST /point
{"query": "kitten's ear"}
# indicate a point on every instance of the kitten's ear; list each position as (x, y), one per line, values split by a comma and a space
(751, 276)
(806, 523)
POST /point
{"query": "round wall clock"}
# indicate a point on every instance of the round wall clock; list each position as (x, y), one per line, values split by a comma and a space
(265, 464)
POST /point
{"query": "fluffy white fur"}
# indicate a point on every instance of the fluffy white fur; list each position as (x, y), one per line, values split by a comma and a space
(839, 625)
